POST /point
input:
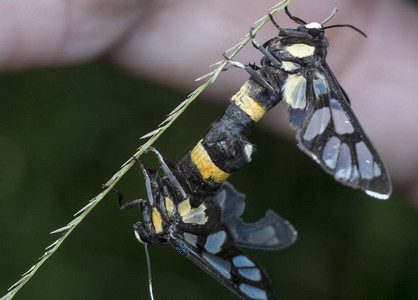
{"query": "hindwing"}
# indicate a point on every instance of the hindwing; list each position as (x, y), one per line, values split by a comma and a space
(272, 232)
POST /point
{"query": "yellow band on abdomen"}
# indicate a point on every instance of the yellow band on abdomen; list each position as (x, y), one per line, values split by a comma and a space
(205, 165)
(251, 107)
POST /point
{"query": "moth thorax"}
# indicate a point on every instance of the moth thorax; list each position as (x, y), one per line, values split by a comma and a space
(313, 25)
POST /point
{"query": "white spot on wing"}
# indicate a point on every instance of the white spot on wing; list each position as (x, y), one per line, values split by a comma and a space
(253, 292)
(343, 170)
(330, 153)
(341, 123)
(320, 84)
(317, 123)
(365, 160)
(242, 261)
(253, 274)
(294, 91)
(222, 266)
(190, 238)
(215, 241)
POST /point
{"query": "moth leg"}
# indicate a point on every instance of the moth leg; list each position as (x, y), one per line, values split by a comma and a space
(119, 194)
(131, 204)
(293, 18)
(274, 61)
(252, 71)
(148, 180)
(270, 42)
(293, 33)
(127, 205)
(268, 73)
(274, 22)
(168, 172)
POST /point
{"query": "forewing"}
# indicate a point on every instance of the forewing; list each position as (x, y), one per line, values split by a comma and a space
(331, 134)
(212, 248)
(271, 232)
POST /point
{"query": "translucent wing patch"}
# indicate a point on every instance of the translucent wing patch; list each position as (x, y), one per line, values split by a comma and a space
(330, 133)
(272, 232)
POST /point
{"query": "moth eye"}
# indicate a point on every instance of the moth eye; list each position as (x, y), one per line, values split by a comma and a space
(314, 32)
(142, 236)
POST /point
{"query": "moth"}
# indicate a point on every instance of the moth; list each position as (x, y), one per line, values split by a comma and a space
(294, 66)
(209, 234)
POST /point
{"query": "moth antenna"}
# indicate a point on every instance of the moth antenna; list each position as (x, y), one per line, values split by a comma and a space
(330, 17)
(347, 25)
(151, 293)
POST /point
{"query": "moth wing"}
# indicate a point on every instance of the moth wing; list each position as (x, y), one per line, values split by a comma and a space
(211, 246)
(271, 232)
(231, 202)
(329, 132)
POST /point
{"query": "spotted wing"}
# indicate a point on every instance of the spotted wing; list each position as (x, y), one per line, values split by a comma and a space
(329, 132)
(269, 233)
(211, 247)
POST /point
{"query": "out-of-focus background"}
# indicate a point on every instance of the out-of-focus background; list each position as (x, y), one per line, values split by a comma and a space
(64, 132)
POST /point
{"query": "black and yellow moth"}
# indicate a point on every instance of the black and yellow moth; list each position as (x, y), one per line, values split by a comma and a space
(208, 234)
(185, 207)
(295, 68)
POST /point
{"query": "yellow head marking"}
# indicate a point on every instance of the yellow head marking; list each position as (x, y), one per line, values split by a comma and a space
(300, 50)
(251, 107)
(169, 206)
(205, 165)
(157, 221)
(313, 25)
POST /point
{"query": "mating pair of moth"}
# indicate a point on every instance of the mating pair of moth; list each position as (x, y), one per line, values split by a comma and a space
(194, 209)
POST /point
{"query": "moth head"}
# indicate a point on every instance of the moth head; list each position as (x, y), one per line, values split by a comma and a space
(141, 233)
(314, 29)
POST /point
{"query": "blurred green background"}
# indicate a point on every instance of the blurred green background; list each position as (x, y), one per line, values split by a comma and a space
(65, 132)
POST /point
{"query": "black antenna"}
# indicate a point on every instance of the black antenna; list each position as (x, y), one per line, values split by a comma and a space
(295, 19)
(149, 271)
(347, 25)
